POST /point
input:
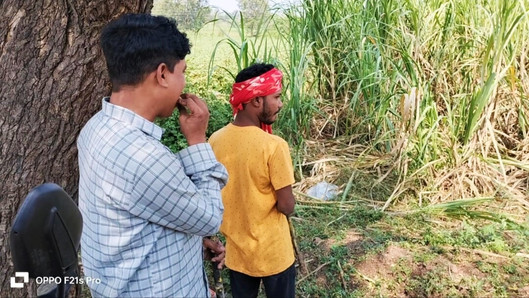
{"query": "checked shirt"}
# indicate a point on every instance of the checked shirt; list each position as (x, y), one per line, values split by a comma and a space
(145, 209)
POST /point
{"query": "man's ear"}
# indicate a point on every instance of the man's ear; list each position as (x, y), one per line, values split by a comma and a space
(256, 102)
(161, 75)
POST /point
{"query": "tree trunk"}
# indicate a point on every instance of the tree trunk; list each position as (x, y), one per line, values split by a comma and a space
(52, 79)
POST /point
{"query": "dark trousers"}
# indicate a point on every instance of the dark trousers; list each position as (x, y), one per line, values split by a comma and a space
(281, 285)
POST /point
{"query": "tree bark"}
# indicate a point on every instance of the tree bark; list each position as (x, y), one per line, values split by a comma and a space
(52, 79)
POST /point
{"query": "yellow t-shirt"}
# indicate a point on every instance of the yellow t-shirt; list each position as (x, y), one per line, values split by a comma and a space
(258, 241)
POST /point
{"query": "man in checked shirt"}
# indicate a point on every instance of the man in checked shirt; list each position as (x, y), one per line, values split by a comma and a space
(147, 210)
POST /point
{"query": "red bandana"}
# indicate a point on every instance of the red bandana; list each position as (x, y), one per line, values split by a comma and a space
(263, 85)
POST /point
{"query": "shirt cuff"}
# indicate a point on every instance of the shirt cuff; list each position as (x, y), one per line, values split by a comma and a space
(197, 158)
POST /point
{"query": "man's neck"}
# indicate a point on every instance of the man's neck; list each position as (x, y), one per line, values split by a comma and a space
(244, 120)
(134, 99)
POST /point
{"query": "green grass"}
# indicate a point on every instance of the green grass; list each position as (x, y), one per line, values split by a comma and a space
(417, 255)
(419, 81)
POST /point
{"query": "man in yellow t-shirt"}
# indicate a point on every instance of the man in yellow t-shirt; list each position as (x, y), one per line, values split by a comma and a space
(258, 196)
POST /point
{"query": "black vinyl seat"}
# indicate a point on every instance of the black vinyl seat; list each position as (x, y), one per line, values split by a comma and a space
(45, 237)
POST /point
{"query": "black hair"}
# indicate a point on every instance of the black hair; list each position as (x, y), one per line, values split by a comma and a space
(135, 44)
(252, 71)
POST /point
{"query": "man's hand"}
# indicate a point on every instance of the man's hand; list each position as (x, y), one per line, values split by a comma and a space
(215, 251)
(194, 117)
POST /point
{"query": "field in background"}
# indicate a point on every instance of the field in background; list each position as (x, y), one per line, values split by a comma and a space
(418, 112)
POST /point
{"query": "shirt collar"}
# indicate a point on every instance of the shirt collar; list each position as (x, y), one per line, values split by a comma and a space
(129, 117)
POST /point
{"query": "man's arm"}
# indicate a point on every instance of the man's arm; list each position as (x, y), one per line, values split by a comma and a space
(182, 191)
(285, 200)
(282, 178)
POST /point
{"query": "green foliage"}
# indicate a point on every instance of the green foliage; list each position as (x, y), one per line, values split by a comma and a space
(497, 59)
(220, 115)
(172, 137)
(254, 11)
(189, 14)
(425, 82)
(491, 237)
(247, 49)
(295, 120)
(431, 284)
(349, 64)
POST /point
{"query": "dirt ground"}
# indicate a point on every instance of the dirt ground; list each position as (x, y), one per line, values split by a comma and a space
(403, 270)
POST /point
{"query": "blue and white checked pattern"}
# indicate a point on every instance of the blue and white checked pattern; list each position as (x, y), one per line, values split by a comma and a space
(145, 209)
